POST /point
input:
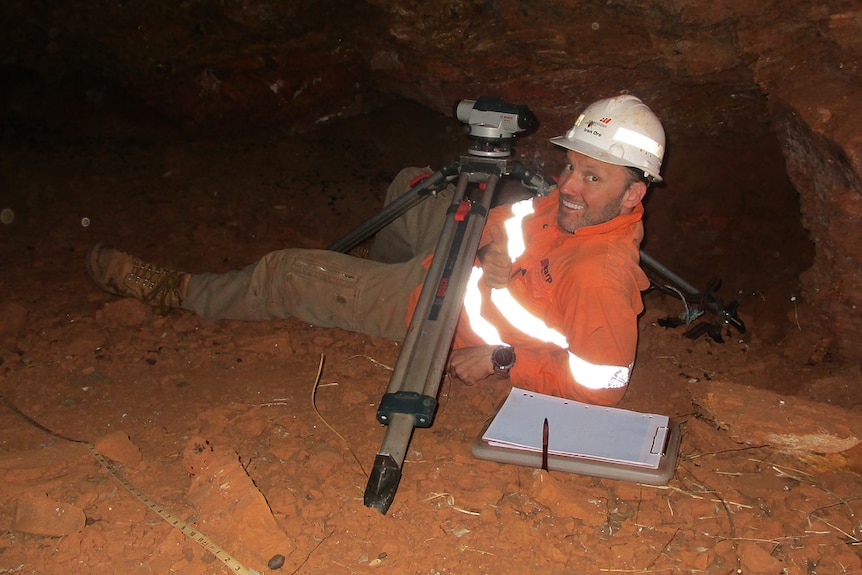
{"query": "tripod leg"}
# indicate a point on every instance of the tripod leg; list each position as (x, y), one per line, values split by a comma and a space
(393, 211)
(708, 300)
(653, 267)
(411, 398)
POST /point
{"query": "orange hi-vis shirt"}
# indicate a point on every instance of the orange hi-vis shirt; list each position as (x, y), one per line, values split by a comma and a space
(571, 306)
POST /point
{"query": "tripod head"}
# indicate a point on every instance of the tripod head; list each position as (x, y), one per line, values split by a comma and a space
(493, 124)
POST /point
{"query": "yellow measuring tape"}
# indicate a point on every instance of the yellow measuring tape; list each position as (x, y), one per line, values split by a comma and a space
(186, 529)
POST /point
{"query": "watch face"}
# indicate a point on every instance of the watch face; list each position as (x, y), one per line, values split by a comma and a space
(503, 357)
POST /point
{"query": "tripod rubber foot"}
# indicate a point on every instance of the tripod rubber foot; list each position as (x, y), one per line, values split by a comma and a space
(383, 483)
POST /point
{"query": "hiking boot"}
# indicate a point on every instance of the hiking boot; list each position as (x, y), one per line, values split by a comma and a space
(123, 274)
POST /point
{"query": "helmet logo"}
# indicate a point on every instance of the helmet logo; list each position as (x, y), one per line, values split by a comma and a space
(602, 121)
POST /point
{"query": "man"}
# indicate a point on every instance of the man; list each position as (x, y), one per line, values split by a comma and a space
(553, 299)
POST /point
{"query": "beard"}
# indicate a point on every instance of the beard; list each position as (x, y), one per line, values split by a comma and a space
(570, 222)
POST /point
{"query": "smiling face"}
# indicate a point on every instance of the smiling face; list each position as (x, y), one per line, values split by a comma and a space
(593, 192)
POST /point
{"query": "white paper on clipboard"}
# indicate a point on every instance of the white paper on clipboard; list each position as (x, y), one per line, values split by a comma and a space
(578, 429)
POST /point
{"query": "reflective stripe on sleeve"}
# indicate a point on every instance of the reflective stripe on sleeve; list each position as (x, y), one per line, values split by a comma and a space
(473, 306)
(596, 376)
(517, 245)
(517, 315)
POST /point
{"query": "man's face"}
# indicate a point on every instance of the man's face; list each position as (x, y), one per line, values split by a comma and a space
(593, 192)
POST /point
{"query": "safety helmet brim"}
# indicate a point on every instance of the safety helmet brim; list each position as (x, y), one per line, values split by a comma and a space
(597, 153)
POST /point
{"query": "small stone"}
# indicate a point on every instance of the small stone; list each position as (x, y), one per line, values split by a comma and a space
(39, 515)
(276, 562)
(118, 447)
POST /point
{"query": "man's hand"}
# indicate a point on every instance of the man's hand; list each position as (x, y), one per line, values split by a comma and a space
(472, 364)
(497, 266)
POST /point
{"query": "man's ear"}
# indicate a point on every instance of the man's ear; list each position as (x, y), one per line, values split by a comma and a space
(634, 194)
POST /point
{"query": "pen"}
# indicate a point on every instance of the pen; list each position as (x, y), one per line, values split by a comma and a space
(545, 434)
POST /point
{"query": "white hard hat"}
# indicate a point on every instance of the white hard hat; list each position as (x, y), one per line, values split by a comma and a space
(620, 130)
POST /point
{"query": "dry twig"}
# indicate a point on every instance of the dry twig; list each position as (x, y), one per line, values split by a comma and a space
(372, 360)
(316, 411)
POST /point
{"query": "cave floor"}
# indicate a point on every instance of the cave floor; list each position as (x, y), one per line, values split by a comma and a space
(261, 436)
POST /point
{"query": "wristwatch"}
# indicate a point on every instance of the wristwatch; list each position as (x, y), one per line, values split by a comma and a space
(503, 359)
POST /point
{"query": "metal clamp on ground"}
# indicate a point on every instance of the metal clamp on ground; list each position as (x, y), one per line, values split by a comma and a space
(420, 406)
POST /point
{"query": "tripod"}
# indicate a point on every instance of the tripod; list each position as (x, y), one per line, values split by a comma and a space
(411, 397)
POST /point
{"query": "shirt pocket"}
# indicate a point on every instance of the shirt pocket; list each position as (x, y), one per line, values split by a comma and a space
(534, 285)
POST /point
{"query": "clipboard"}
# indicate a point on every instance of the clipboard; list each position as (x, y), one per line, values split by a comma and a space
(582, 438)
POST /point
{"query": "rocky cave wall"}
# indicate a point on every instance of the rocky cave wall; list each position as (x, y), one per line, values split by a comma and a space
(215, 68)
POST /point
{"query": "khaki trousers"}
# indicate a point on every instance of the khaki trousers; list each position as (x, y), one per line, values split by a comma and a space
(331, 289)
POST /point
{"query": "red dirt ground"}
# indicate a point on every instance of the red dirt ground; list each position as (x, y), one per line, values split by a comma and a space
(261, 436)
